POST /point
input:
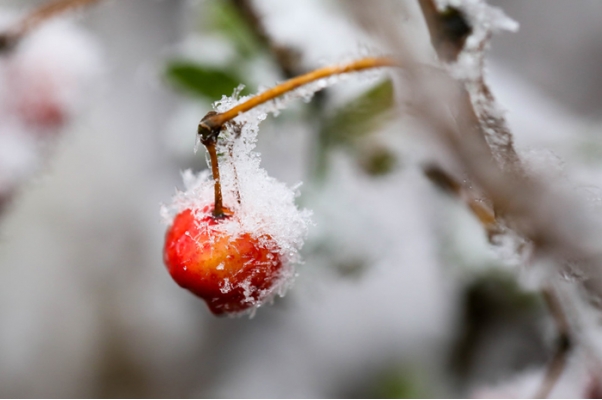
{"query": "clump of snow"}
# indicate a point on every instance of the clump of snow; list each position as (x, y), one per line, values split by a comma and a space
(262, 207)
(484, 20)
(511, 248)
(543, 163)
(43, 83)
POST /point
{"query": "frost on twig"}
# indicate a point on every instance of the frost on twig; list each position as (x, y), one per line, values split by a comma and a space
(277, 97)
(16, 32)
(549, 227)
(552, 222)
(481, 22)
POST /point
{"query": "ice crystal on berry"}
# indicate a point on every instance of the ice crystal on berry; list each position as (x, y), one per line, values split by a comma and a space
(261, 208)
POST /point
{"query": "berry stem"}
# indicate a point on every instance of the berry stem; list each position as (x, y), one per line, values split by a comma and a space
(11, 36)
(209, 139)
(217, 120)
(218, 208)
(211, 125)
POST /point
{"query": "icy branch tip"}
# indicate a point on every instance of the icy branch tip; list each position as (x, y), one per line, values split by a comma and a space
(207, 129)
(212, 123)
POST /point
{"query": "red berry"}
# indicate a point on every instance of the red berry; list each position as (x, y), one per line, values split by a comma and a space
(42, 114)
(36, 97)
(232, 274)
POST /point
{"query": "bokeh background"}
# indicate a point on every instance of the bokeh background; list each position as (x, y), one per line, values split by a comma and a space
(400, 294)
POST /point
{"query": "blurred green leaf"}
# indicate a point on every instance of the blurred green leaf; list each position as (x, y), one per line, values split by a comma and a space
(225, 18)
(359, 117)
(399, 386)
(200, 80)
(496, 291)
(356, 120)
(378, 161)
(401, 381)
(491, 300)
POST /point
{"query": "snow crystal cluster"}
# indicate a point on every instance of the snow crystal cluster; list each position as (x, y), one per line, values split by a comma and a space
(261, 205)
(43, 82)
(484, 20)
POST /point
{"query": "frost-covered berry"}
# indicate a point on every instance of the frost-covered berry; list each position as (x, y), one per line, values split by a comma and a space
(232, 274)
(241, 261)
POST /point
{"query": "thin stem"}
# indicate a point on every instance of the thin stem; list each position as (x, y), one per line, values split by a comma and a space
(218, 120)
(451, 185)
(15, 33)
(488, 219)
(218, 207)
(563, 344)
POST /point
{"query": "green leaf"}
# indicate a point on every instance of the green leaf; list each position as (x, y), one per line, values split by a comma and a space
(225, 18)
(354, 121)
(200, 80)
(378, 161)
(397, 381)
(360, 117)
(399, 386)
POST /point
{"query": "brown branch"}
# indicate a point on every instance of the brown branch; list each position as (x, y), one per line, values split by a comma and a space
(493, 126)
(448, 29)
(487, 218)
(214, 122)
(563, 344)
(546, 218)
(11, 36)
(451, 185)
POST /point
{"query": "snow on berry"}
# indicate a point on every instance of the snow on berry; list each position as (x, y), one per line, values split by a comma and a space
(43, 83)
(238, 262)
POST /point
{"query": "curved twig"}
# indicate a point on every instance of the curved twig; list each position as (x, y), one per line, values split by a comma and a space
(13, 35)
(211, 125)
(216, 121)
